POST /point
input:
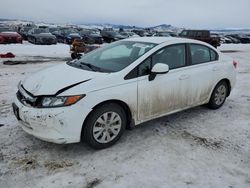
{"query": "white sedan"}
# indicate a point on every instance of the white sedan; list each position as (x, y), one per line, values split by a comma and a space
(121, 85)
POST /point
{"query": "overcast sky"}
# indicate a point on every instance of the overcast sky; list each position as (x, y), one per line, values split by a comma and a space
(182, 13)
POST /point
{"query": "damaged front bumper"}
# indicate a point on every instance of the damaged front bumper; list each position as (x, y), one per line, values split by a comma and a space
(58, 125)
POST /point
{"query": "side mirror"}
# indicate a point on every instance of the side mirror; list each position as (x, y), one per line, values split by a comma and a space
(158, 68)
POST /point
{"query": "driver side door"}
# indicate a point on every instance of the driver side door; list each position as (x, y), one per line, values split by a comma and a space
(167, 92)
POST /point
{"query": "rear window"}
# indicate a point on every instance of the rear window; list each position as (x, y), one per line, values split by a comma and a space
(202, 54)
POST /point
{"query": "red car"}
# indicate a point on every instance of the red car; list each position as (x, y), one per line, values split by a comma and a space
(10, 37)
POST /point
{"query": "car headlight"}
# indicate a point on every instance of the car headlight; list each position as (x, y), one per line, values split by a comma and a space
(60, 101)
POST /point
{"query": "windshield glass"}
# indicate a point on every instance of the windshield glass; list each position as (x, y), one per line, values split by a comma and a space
(40, 30)
(114, 57)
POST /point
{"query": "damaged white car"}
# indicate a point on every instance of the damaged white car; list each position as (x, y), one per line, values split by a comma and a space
(121, 85)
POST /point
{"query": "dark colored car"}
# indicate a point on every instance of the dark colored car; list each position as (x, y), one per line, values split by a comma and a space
(242, 38)
(111, 36)
(128, 34)
(8, 35)
(91, 37)
(41, 36)
(233, 39)
(62, 33)
(202, 35)
(162, 34)
(24, 32)
(71, 37)
(140, 32)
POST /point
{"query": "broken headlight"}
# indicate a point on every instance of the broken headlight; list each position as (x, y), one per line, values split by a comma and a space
(60, 101)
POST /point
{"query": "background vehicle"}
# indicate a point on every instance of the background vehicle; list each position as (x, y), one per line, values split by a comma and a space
(62, 32)
(41, 36)
(91, 37)
(161, 34)
(8, 36)
(122, 85)
(24, 32)
(71, 37)
(202, 35)
(128, 34)
(111, 36)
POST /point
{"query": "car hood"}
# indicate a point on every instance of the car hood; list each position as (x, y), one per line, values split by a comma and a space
(119, 36)
(47, 35)
(9, 34)
(54, 79)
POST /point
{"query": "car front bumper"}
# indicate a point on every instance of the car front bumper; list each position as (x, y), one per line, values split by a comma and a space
(57, 125)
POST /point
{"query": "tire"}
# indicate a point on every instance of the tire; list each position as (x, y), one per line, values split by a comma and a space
(73, 55)
(219, 95)
(100, 136)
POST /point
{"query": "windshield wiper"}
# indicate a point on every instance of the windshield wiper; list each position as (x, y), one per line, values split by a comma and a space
(92, 67)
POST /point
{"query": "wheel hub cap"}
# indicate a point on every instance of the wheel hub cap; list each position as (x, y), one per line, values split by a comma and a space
(107, 127)
(220, 95)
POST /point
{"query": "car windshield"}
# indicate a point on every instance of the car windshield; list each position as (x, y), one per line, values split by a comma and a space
(164, 34)
(113, 57)
(6, 29)
(40, 30)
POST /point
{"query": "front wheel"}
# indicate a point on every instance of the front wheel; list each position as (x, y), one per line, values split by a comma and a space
(104, 126)
(219, 95)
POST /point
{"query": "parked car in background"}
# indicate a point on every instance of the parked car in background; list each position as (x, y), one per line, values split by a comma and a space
(111, 36)
(24, 32)
(62, 33)
(71, 37)
(121, 85)
(8, 35)
(41, 36)
(225, 40)
(162, 34)
(91, 36)
(129, 34)
(139, 32)
(233, 39)
(202, 35)
(243, 38)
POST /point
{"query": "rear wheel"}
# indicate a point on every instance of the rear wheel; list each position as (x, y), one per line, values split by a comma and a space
(104, 126)
(219, 95)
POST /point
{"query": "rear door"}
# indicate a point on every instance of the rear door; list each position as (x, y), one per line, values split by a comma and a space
(202, 70)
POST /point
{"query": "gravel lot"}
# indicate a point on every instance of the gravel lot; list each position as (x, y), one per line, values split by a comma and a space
(195, 148)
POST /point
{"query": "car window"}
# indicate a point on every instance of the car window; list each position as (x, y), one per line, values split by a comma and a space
(173, 56)
(191, 33)
(213, 55)
(183, 33)
(145, 67)
(199, 34)
(116, 52)
(199, 54)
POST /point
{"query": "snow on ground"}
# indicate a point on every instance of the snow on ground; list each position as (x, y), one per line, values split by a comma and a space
(195, 148)
(27, 49)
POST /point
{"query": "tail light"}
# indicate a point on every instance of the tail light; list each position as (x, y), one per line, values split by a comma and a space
(235, 64)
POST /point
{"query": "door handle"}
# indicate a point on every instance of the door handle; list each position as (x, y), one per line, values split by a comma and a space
(183, 77)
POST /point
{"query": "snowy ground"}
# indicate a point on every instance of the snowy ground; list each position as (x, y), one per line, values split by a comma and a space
(195, 148)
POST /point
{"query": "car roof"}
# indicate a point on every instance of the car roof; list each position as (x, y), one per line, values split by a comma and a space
(159, 40)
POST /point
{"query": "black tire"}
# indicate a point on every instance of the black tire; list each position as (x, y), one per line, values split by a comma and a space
(73, 55)
(214, 102)
(87, 133)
